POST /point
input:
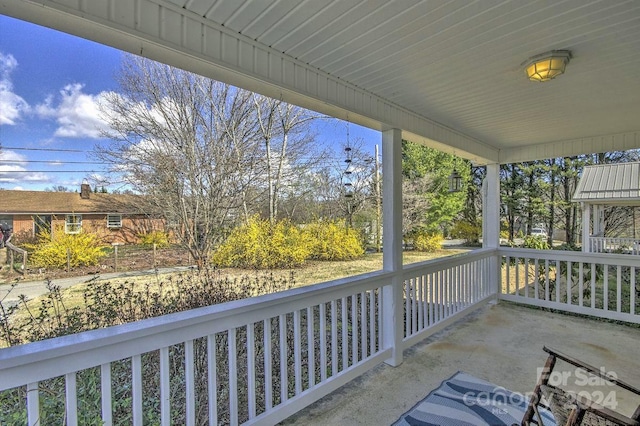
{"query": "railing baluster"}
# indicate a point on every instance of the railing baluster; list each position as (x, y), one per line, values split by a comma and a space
(453, 274)
(212, 377)
(619, 290)
(536, 276)
(71, 398)
(526, 277)
(432, 300)
(632, 291)
(334, 338)
(605, 289)
(311, 351)
(233, 376)
(323, 342)
(345, 333)
(420, 303)
(268, 365)
(354, 329)
(569, 281)
(136, 389)
(450, 295)
(297, 362)
(546, 279)
(558, 277)
(190, 385)
(105, 392)
(407, 308)
(282, 325)
(414, 306)
(33, 404)
(363, 325)
(251, 369)
(580, 284)
(594, 270)
(440, 296)
(517, 277)
(372, 322)
(165, 387)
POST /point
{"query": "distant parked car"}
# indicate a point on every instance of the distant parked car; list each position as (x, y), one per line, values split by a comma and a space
(539, 232)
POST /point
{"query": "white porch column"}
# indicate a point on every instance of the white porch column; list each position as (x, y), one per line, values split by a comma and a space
(491, 222)
(392, 308)
(491, 207)
(586, 226)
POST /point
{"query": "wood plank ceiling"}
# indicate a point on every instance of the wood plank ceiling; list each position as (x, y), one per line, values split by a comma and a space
(455, 62)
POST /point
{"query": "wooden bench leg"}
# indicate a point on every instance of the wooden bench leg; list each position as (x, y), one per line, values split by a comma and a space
(535, 399)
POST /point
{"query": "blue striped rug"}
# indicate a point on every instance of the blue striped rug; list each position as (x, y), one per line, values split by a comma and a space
(467, 400)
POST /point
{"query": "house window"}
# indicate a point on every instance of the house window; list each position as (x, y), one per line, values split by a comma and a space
(114, 221)
(73, 224)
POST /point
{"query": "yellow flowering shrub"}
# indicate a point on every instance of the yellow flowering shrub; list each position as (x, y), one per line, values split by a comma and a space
(427, 242)
(259, 244)
(159, 238)
(84, 250)
(333, 241)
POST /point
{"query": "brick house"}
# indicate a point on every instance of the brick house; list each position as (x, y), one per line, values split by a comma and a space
(111, 216)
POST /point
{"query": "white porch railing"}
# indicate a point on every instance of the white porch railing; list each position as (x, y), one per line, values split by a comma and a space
(253, 361)
(438, 292)
(601, 285)
(614, 245)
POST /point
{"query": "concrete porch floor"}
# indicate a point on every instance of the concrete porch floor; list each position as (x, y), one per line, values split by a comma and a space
(501, 343)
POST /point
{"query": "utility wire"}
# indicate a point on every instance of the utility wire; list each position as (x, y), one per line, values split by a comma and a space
(43, 149)
(50, 161)
(49, 171)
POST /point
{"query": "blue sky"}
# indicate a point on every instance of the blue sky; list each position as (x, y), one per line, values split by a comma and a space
(49, 85)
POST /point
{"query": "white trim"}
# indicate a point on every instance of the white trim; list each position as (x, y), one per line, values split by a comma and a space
(70, 227)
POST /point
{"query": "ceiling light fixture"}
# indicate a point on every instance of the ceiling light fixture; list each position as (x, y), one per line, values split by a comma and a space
(547, 66)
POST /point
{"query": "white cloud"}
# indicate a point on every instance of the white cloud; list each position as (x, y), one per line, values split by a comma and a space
(18, 188)
(12, 106)
(76, 113)
(16, 172)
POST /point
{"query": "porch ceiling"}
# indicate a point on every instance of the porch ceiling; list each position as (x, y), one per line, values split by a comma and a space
(447, 72)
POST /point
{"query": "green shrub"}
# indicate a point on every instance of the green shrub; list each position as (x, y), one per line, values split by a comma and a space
(467, 231)
(159, 238)
(259, 244)
(105, 304)
(427, 242)
(332, 241)
(84, 249)
(535, 242)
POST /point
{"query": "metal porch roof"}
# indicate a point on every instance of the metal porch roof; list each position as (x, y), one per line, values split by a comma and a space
(611, 184)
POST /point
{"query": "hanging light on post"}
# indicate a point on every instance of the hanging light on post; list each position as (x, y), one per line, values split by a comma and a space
(455, 181)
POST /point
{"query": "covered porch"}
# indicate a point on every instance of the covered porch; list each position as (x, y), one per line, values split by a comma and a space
(500, 343)
(449, 76)
(602, 186)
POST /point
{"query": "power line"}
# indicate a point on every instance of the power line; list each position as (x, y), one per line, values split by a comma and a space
(51, 161)
(49, 171)
(43, 149)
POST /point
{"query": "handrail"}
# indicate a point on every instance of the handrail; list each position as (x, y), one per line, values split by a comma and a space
(21, 251)
(565, 255)
(86, 349)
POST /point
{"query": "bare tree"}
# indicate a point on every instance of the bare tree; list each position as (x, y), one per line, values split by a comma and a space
(288, 144)
(188, 144)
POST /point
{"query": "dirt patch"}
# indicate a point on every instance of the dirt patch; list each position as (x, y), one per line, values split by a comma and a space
(129, 258)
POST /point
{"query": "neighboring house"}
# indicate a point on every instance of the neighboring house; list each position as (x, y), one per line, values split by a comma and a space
(113, 217)
(605, 185)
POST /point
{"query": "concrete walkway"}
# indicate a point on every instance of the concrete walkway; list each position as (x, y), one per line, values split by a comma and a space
(501, 344)
(10, 295)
